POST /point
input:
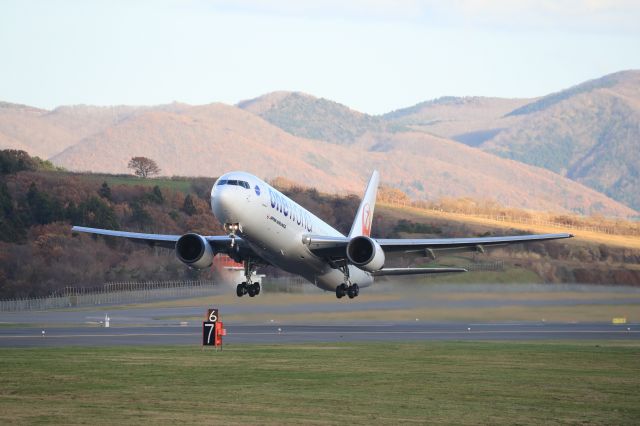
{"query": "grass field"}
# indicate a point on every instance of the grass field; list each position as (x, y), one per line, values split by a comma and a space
(179, 184)
(508, 313)
(441, 382)
(510, 275)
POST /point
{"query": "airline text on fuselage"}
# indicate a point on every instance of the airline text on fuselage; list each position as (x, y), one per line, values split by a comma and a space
(290, 210)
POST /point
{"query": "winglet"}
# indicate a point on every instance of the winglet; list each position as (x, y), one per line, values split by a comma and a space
(364, 217)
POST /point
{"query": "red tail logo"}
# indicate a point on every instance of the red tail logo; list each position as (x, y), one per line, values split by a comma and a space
(366, 220)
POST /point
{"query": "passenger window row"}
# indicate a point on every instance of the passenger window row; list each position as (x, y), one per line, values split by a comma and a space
(234, 182)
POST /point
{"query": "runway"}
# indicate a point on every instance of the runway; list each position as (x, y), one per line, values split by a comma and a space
(290, 334)
(493, 312)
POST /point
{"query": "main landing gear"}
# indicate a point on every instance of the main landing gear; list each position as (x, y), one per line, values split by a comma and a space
(343, 290)
(248, 287)
(346, 288)
(252, 289)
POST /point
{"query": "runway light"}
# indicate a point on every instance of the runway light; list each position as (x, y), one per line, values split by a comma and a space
(468, 328)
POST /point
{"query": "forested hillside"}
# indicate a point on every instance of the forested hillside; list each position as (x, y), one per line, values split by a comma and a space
(589, 133)
(307, 116)
(40, 255)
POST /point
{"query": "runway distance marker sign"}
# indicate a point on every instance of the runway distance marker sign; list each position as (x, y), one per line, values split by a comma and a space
(212, 330)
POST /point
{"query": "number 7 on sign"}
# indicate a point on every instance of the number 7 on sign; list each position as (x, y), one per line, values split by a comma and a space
(210, 327)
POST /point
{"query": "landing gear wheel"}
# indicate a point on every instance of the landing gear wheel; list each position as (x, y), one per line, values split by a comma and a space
(249, 287)
(241, 290)
(341, 291)
(356, 290)
(351, 293)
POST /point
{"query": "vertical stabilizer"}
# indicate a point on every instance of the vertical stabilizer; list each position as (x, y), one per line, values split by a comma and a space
(364, 217)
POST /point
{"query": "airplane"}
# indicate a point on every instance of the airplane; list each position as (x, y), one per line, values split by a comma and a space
(265, 227)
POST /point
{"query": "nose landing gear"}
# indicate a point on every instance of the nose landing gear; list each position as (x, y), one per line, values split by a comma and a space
(232, 229)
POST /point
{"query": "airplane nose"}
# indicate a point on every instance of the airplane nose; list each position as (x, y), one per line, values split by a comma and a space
(222, 202)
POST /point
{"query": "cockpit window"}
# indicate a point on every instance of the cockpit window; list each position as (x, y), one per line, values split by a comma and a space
(234, 182)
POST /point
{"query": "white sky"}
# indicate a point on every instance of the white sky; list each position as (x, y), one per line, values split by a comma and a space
(372, 55)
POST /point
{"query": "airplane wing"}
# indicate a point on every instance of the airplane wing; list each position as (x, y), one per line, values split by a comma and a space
(335, 247)
(219, 243)
(462, 244)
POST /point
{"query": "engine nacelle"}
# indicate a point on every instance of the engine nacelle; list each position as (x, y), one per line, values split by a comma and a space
(195, 251)
(365, 253)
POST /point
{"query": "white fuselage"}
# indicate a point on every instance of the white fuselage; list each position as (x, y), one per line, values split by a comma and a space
(273, 226)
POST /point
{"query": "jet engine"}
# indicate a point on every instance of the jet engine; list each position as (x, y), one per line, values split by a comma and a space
(195, 251)
(365, 253)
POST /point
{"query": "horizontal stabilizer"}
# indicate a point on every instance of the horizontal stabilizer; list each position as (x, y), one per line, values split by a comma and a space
(415, 271)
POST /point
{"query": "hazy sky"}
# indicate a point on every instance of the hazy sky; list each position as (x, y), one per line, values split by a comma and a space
(372, 55)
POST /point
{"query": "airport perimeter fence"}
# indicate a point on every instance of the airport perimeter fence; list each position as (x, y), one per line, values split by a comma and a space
(139, 292)
(111, 293)
(528, 221)
(516, 219)
(496, 266)
(292, 284)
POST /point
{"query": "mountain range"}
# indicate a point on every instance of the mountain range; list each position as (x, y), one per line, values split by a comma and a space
(576, 150)
(589, 133)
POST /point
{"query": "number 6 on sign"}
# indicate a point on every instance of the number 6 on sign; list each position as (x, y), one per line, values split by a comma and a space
(213, 315)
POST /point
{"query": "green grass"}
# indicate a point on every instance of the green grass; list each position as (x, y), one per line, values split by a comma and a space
(178, 184)
(430, 382)
(499, 314)
(13, 324)
(510, 275)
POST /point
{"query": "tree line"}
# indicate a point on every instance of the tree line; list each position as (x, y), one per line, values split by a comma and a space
(39, 203)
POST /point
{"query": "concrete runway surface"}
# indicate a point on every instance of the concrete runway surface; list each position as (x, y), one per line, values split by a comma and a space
(274, 334)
